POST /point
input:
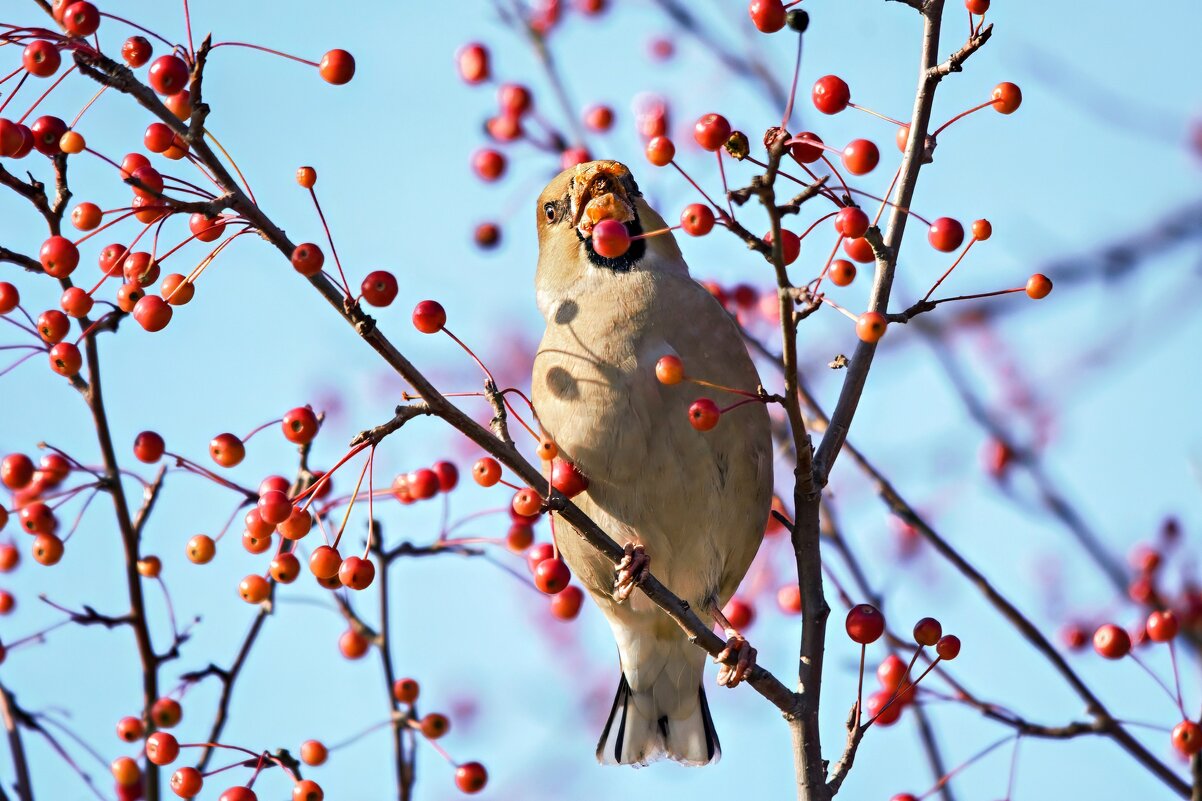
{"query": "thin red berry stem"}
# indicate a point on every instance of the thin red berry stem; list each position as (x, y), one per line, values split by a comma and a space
(708, 199)
(981, 295)
(730, 207)
(658, 232)
(108, 224)
(138, 27)
(961, 116)
(233, 163)
(826, 267)
(87, 106)
(330, 239)
(1159, 682)
(351, 505)
(13, 94)
(18, 363)
(784, 123)
(259, 428)
(837, 174)
(188, 26)
(31, 331)
(265, 50)
(959, 258)
(877, 114)
(886, 202)
(836, 306)
(1176, 678)
(325, 478)
(371, 501)
(45, 94)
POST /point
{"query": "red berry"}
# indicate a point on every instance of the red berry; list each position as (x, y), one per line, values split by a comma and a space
(10, 298)
(81, 19)
(357, 573)
(239, 793)
(152, 313)
(1112, 641)
(806, 154)
(379, 288)
(568, 479)
(599, 118)
(870, 326)
(472, 60)
(299, 425)
(166, 713)
(948, 647)
(168, 75)
(314, 752)
(337, 67)
(325, 562)
(136, 51)
(65, 359)
(126, 771)
(526, 502)
(47, 135)
(790, 244)
(486, 471)
(831, 94)
(945, 234)
(739, 613)
(53, 325)
(610, 239)
(981, 230)
(767, 15)
(470, 777)
(697, 219)
(1162, 626)
(860, 157)
(162, 748)
(661, 151)
(711, 131)
(488, 164)
(149, 447)
(448, 475)
(878, 708)
(927, 631)
(504, 127)
(788, 598)
(977, 7)
(227, 450)
(1039, 286)
(704, 414)
(1007, 97)
(566, 604)
(76, 302)
(851, 222)
(274, 507)
(298, 524)
(891, 673)
(254, 589)
(669, 370)
(842, 272)
(307, 790)
(865, 624)
(201, 549)
(86, 216)
(429, 317)
(187, 782)
(1187, 738)
(434, 725)
(514, 99)
(552, 576)
(131, 729)
(41, 58)
(308, 259)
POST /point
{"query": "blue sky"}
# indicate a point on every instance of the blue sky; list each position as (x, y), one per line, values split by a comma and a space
(1096, 151)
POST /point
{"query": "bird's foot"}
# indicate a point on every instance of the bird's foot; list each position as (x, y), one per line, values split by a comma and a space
(737, 647)
(630, 571)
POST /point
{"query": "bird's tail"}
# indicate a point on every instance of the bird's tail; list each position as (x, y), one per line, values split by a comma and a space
(641, 730)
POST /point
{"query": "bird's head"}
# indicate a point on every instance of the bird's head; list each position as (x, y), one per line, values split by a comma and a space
(582, 196)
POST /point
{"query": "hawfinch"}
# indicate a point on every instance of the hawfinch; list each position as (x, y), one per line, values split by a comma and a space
(695, 503)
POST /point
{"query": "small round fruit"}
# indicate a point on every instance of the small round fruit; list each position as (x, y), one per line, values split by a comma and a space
(379, 288)
(1007, 97)
(307, 259)
(325, 562)
(41, 58)
(486, 471)
(552, 576)
(152, 313)
(187, 782)
(927, 631)
(566, 604)
(1187, 738)
(227, 450)
(166, 713)
(168, 75)
(739, 612)
(661, 151)
(131, 729)
(831, 94)
(871, 326)
(526, 502)
(471, 777)
(136, 51)
(852, 222)
(162, 748)
(1039, 286)
(669, 370)
(878, 708)
(126, 771)
(254, 589)
(610, 239)
(697, 219)
(47, 549)
(337, 67)
(357, 573)
(1161, 626)
(406, 691)
(860, 157)
(352, 644)
(865, 624)
(313, 753)
(711, 131)
(1111, 641)
(472, 60)
(945, 234)
(981, 230)
(567, 478)
(201, 549)
(768, 16)
(948, 647)
(299, 425)
(704, 414)
(429, 317)
(842, 272)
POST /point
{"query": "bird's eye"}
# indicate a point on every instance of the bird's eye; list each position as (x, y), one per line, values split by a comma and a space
(549, 212)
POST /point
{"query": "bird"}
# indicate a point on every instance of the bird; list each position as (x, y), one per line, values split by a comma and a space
(694, 504)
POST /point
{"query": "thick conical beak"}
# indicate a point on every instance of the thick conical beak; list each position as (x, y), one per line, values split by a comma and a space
(599, 193)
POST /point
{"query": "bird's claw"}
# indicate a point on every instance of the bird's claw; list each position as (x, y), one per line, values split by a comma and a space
(630, 571)
(733, 675)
